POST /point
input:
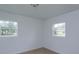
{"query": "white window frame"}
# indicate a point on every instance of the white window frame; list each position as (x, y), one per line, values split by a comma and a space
(15, 28)
(59, 24)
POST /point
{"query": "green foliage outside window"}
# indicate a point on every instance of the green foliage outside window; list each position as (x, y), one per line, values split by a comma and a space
(8, 28)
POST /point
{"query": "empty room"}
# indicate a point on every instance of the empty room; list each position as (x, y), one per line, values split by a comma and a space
(39, 29)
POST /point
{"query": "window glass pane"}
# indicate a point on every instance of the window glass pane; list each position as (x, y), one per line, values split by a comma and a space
(59, 29)
(8, 28)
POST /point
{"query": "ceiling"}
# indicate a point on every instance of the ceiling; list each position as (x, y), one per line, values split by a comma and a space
(43, 11)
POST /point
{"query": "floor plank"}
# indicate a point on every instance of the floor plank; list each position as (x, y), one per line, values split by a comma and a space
(40, 51)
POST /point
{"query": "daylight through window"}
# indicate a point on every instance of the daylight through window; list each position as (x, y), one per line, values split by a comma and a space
(8, 28)
(59, 29)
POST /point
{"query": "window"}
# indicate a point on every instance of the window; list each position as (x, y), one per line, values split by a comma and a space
(8, 28)
(59, 29)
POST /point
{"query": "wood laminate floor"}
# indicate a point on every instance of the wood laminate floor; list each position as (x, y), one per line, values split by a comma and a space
(40, 51)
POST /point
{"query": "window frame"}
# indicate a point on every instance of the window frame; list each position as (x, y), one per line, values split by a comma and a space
(16, 29)
(64, 30)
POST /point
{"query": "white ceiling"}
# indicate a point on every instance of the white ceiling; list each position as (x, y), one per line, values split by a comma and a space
(43, 11)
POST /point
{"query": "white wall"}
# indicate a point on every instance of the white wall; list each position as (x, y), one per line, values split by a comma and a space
(69, 44)
(29, 34)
